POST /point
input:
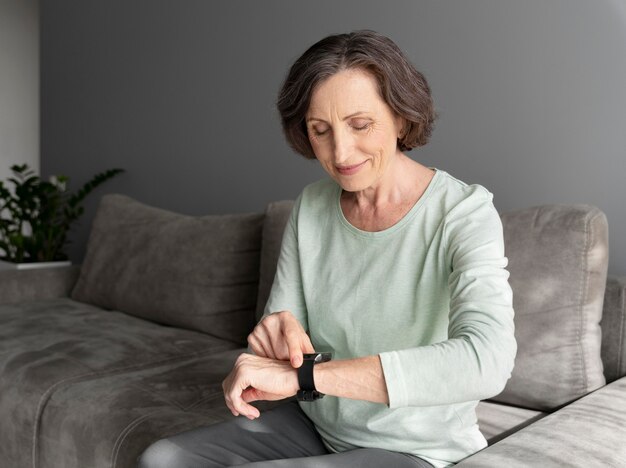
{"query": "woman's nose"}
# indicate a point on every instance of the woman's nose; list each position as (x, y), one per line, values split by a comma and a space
(342, 147)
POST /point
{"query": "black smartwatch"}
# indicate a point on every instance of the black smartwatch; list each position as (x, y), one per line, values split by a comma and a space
(307, 390)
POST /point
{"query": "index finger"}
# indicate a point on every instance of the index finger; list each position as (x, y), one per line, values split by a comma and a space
(298, 342)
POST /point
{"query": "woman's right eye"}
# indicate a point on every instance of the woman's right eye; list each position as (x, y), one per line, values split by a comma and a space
(317, 132)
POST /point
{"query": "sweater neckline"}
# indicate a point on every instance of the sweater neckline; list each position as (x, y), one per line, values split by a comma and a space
(396, 227)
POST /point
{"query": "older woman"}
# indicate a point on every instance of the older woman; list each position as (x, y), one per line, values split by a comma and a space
(395, 269)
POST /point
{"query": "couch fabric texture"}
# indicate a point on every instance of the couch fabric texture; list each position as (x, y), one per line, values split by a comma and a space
(94, 369)
(587, 433)
(558, 259)
(188, 272)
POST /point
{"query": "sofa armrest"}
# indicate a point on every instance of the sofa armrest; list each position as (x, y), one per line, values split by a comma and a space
(589, 432)
(44, 283)
(614, 328)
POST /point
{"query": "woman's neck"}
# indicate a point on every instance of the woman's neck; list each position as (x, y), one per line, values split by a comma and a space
(402, 182)
(377, 211)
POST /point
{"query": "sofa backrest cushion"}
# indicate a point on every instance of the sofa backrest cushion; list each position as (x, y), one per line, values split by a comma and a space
(558, 260)
(276, 217)
(199, 273)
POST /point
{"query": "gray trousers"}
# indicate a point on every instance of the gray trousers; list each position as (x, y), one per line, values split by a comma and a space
(282, 437)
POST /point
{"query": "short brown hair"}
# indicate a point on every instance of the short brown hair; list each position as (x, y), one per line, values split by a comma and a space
(402, 87)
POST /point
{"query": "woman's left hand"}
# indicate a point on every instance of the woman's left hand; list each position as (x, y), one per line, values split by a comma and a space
(258, 378)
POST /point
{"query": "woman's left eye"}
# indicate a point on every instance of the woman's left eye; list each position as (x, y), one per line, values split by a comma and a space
(361, 127)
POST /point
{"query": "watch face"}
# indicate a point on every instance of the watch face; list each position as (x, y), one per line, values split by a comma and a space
(318, 357)
(322, 357)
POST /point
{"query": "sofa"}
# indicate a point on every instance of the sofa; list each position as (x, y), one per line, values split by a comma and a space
(99, 360)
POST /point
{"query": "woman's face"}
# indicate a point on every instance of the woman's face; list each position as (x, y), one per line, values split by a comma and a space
(352, 130)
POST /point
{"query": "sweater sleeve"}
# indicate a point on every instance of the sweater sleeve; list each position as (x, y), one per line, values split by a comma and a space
(476, 360)
(287, 292)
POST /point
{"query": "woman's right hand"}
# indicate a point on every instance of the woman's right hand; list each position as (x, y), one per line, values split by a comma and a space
(280, 336)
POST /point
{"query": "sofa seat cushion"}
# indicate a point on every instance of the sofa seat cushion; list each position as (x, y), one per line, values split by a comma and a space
(586, 433)
(498, 421)
(51, 344)
(558, 261)
(132, 410)
(194, 272)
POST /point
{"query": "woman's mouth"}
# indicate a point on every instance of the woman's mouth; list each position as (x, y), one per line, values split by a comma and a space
(349, 170)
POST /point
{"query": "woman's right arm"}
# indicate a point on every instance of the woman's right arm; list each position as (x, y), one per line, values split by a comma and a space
(281, 333)
(280, 336)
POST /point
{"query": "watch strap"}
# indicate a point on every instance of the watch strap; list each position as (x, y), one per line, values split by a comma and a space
(305, 375)
(307, 391)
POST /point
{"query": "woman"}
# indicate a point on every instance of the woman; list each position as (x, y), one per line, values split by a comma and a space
(396, 268)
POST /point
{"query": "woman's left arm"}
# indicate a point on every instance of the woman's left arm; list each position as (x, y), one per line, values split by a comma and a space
(476, 360)
(359, 379)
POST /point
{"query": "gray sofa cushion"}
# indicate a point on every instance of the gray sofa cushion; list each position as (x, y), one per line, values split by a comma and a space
(44, 283)
(49, 346)
(497, 421)
(276, 216)
(558, 259)
(588, 433)
(132, 410)
(199, 273)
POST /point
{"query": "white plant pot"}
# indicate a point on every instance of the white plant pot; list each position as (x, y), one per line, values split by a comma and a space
(4, 265)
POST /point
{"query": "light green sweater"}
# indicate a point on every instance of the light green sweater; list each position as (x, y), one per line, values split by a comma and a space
(430, 295)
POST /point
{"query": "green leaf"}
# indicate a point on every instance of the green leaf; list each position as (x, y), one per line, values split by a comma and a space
(47, 207)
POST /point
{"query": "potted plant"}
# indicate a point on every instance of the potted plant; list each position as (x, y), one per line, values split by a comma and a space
(40, 216)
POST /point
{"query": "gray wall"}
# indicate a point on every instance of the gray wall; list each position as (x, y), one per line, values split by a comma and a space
(19, 85)
(181, 94)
